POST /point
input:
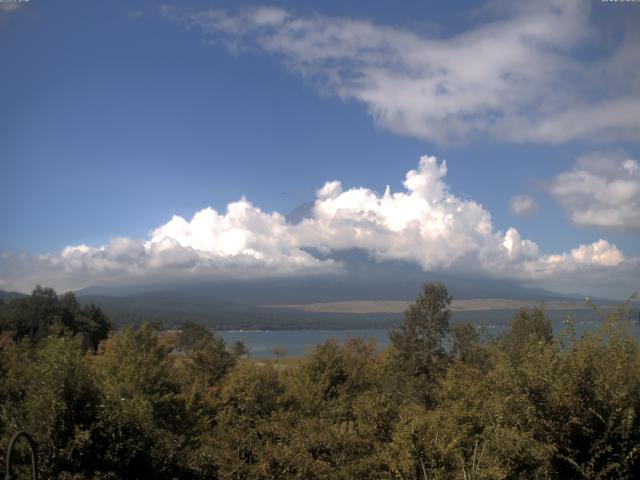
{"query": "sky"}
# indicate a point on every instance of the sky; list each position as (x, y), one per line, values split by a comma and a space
(142, 139)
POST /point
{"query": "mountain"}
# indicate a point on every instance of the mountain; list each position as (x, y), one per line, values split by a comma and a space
(365, 279)
(299, 213)
(174, 308)
(248, 304)
(7, 296)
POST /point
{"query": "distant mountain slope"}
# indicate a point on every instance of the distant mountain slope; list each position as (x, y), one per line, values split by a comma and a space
(172, 309)
(299, 213)
(395, 306)
(6, 296)
(234, 304)
(365, 279)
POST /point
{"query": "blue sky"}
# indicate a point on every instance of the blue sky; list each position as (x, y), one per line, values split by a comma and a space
(119, 115)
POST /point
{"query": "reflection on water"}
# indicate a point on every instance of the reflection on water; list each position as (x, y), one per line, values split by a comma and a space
(296, 342)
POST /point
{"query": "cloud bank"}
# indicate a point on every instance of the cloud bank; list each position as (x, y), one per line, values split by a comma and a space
(424, 224)
(601, 190)
(519, 76)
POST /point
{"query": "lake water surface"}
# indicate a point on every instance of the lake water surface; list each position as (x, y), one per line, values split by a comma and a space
(296, 342)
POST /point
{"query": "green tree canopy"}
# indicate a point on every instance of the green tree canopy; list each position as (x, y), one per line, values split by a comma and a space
(418, 349)
(44, 312)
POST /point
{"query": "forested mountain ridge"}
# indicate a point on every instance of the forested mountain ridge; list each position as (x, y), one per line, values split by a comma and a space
(6, 296)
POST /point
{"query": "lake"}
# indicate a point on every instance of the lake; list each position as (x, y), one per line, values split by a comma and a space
(296, 342)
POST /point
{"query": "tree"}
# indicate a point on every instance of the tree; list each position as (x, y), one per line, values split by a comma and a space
(239, 349)
(44, 313)
(526, 326)
(206, 352)
(51, 393)
(191, 334)
(144, 425)
(418, 349)
(249, 395)
(467, 346)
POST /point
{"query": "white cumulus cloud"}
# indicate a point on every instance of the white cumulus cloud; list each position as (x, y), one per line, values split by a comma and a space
(424, 223)
(520, 76)
(522, 205)
(601, 190)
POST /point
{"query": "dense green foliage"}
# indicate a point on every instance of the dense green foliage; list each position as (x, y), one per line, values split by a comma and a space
(44, 313)
(438, 403)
